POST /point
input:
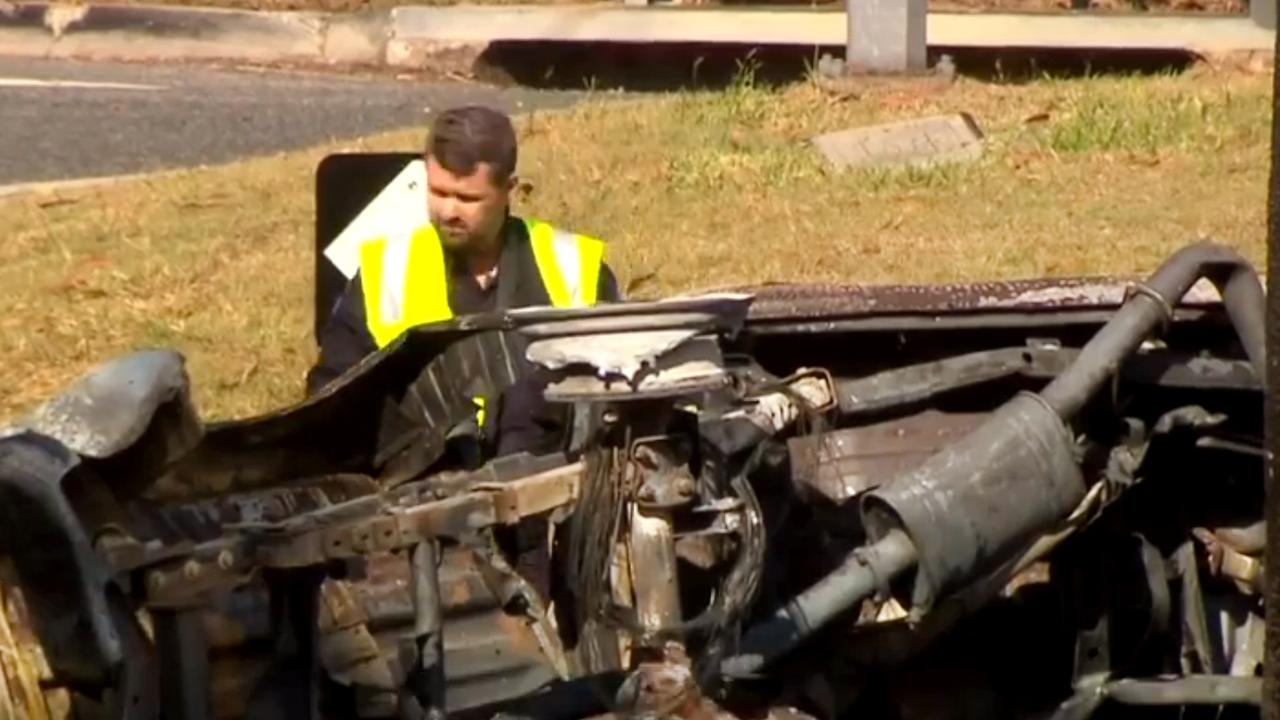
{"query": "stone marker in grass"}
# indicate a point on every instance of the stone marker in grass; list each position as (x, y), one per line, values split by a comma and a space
(921, 142)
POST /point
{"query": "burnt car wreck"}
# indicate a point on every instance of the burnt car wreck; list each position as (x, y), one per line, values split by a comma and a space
(1038, 499)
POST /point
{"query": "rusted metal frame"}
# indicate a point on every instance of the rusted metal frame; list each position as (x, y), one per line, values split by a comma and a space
(1029, 295)
(353, 510)
(698, 321)
(183, 650)
(660, 484)
(693, 367)
(1093, 665)
(503, 470)
(129, 555)
(920, 382)
(230, 562)
(33, 469)
(518, 595)
(653, 567)
(294, 565)
(427, 680)
(200, 519)
(1197, 644)
(184, 581)
(914, 519)
(1147, 311)
(1187, 690)
(1001, 320)
(349, 651)
(1204, 373)
(1202, 682)
(291, 686)
(845, 463)
(453, 518)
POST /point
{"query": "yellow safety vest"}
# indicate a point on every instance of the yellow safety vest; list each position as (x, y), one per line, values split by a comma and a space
(405, 280)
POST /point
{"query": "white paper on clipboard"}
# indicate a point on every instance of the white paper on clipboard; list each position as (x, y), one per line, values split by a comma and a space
(400, 208)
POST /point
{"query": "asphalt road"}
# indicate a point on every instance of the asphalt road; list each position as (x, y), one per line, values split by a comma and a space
(64, 119)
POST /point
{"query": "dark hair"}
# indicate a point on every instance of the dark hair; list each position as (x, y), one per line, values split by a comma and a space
(463, 137)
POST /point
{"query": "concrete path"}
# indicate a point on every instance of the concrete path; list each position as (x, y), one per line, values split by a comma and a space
(809, 27)
(444, 38)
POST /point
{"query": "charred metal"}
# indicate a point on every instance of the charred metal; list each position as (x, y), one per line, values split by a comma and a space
(1037, 499)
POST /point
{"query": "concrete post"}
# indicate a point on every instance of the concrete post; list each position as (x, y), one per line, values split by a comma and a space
(886, 35)
(1263, 12)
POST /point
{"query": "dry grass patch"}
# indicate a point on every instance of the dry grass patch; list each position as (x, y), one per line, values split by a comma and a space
(1104, 175)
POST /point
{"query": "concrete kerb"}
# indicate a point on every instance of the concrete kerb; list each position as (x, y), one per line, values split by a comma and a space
(451, 38)
(417, 34)
(58, 189)
(149, 32)
(154, 33)
(807, 27)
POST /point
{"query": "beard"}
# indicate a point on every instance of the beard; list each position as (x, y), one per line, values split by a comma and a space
(456, 238)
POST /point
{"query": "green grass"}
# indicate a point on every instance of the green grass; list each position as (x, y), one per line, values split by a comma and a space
(1180, 120)
(699, 190)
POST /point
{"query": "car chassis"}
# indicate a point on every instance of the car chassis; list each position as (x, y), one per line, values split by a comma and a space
(1028, 499)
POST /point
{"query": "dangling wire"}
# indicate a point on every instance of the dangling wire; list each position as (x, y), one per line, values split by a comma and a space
(597, 523)
(741, 585)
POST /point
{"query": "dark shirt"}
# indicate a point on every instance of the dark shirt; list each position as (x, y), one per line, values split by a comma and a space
(523, 421)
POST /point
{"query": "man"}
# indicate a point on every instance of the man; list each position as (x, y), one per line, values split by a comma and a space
(473, 256)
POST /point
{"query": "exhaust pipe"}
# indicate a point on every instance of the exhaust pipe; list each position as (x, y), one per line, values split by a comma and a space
(978, 500)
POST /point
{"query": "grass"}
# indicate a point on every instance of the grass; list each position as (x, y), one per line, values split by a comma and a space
(1087, 176)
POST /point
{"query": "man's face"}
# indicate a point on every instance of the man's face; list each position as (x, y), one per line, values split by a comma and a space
(467, 210)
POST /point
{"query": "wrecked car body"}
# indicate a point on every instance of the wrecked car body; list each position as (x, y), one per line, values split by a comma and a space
(1035, 499)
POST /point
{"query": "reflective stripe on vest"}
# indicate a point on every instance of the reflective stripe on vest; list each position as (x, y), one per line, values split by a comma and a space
(405, 279)
(569, 264)
(404, 284)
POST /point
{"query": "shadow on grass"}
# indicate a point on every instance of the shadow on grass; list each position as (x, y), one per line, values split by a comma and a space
(699, 66)
(1019, 65)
